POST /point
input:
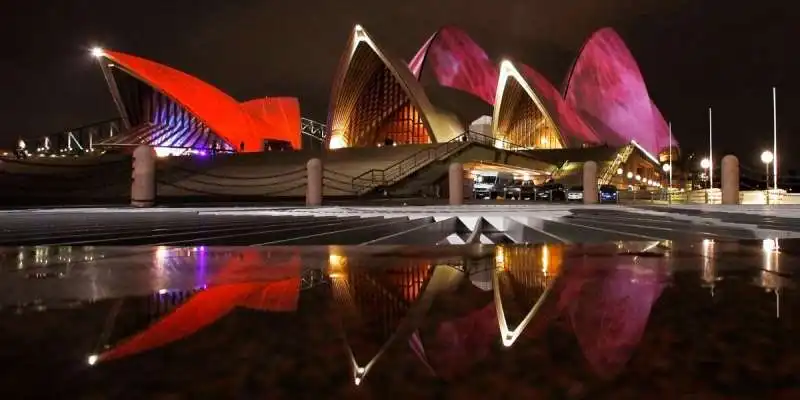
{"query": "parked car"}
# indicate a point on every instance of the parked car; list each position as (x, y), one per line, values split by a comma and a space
(551, 192)
(575, 193)
(608, 194)
(491, 185)
(520, 190)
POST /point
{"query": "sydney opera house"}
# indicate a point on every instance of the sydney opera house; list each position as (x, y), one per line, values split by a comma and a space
(449, 91)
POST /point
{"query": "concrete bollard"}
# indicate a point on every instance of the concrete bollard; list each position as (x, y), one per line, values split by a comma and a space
(590, 182)
(314, 182)
(143, 178)
(730, 179)
(456, 187)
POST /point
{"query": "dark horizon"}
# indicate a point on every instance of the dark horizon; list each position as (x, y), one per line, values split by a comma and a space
(692, 54)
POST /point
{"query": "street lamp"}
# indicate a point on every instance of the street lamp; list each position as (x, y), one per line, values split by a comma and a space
(706, 164)
(619, 171)
(630, 175)
(767, 157)
(97, 52)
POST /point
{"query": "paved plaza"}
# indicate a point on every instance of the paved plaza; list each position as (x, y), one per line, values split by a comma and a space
(412, 225)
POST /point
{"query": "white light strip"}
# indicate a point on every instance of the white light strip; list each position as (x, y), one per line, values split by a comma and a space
(647, 153)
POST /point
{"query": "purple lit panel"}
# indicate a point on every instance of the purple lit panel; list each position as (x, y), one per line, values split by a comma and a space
(574, 129)
(457, 62)
(607, 89)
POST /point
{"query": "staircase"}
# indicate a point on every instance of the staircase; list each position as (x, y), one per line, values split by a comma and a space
(392, 174)
(611, 168)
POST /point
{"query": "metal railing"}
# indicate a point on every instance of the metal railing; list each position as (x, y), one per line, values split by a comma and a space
(611, 168)
(390, 175)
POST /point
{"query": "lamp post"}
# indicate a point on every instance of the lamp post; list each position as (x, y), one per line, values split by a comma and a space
(668, 169)
(774, 138)
(767, 157)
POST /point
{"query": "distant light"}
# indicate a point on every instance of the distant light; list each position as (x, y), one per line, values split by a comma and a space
(97, 52)
(619, 171)
(526, 177)
(21, 145)
(163, 291)
(92, 360)
(639, 178)
(705, 163)
(630, 175)
(767, 157)
(337, 142)
(770, 245)
(667, 167)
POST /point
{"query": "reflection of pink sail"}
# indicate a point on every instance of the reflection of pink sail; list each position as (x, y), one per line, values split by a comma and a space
(609, 307)
(462, 342)
(208, 306)
(457, 62)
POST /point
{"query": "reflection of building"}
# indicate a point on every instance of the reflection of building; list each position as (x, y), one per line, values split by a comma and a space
(378, 307)
(525, 278)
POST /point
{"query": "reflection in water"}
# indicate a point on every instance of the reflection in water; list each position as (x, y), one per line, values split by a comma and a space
(378, 307)
(770, 277)
(525, 316)
(186, 313)
(527, 275)
(609, 305)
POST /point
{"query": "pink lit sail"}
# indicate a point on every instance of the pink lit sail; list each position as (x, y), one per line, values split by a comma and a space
(457, 62)
(608, 90)
(572, 127)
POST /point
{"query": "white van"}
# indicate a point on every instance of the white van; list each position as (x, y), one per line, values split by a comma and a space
(491, 184)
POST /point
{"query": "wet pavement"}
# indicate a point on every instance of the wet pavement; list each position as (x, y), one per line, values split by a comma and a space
(411, 225)
(692, 318)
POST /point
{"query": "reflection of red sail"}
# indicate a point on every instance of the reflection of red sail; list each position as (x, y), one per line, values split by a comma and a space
(609, 307)
(206, 307)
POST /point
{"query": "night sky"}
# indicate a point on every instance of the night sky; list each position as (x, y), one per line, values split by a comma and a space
(693, 53)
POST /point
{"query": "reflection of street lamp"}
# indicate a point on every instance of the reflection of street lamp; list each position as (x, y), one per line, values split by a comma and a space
(767, 157)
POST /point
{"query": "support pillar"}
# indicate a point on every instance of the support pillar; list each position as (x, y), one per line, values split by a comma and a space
(456, 187)
(314, 182)
(590, 182)
(143, 179)
(730, 179)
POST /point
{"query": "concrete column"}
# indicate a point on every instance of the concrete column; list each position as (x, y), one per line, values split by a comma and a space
(589, 182)
(314, 183)
(730, 179)
(143, 179)
(456, 187)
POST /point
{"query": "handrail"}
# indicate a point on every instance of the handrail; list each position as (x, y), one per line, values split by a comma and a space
(391, 174)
